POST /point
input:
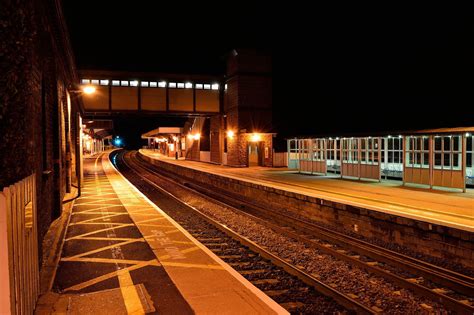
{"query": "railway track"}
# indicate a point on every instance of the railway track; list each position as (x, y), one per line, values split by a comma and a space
(288, 285)
(453, 290)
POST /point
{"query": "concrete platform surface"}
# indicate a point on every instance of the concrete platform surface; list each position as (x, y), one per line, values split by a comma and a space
(120, 247)
(443, 207)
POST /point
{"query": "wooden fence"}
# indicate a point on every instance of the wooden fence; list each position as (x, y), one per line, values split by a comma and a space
(280, 159)
(19, 267)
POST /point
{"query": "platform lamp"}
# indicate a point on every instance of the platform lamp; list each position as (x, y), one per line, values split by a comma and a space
(86, 89)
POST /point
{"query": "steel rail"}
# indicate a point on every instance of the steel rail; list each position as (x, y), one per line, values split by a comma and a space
(319, 286)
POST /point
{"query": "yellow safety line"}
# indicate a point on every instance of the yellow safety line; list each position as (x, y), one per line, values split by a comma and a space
(172, 231)
(186, 265)
(93, 203)
(96, 223)
(97, 250)
(93, 209)
(109, 275)
(98, 231)
(105, 260)
(102, 217)
(91, 238)
(101, 213)
(129, 293)
(152, 219)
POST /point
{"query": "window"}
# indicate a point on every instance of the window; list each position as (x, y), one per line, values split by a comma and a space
(215, 86)
(162, 84)
(198, 86)
(96, 82)
(144, 84)
(470, 151)
(188, 85)
(104, 82)
(85, 81)
(417, 151)
(207, 86)
(318, 150)
(124, 83)
(153, 84)
(448, 152)
(172, 85)
(350, 152)
(180, 85)
(115, 82)
(134, 83)
(369, 151)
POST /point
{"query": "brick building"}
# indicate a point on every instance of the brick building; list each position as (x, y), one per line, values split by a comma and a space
(242, 135)
(39, 120)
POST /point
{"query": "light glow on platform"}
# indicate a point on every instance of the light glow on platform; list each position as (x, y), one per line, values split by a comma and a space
(230, 134)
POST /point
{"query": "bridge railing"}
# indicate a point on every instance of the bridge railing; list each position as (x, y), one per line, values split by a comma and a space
(19, 267)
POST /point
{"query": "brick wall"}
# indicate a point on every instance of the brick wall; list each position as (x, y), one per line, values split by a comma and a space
(216, 138)
(248, 104)
(35, 72)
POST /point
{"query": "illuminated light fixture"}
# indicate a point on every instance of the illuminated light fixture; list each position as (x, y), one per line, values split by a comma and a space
(400, 136)
(215, 86)
(337, 138)
(389, 136)
(88, 89)
(230, 133)
(190, 136)
(468, 134)
(197, 136)
(175, 138)
(188, 85)
(255, 137)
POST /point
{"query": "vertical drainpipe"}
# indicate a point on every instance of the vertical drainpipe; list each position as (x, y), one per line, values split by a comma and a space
(341, 156)
(78, 154)
(403, 159)
(464, 157)
(359, 154)
(430, 160)
(379, 140)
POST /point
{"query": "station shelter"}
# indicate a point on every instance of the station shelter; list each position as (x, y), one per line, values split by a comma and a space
(431, 158)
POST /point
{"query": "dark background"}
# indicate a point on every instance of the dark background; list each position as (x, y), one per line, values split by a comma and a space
(336, 70)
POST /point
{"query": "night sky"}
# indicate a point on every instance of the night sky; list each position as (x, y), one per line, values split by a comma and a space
(335, 70)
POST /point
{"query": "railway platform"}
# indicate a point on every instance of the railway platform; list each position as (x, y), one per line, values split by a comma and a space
(122, 254)
(445, 208)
